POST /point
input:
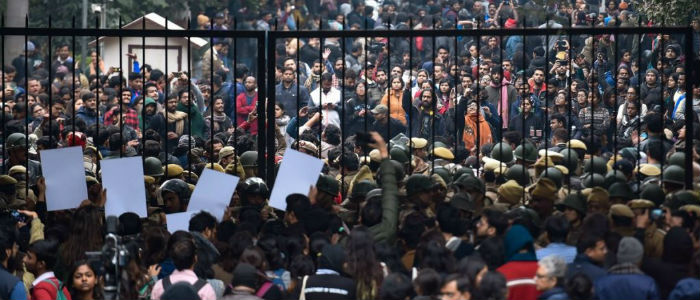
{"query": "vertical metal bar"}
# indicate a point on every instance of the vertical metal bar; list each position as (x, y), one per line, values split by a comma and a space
(26, 107)
(453, 105)
(689, 113)
(477, 78)
(211, 98)
(235, 91)
(320, 89)
(366, 107)
(143, 80)
(594, 89)
(546, 107)
(26, 76)
(613, 120)
(97, 73)
(298, 82)
(166, 93)
(2, 58)
(121, 87)
(637, 162)
(434, 106)
(269, 134)
(189, 100)
(388, 98)
(410, 111)
(569, 123)
(342, 114)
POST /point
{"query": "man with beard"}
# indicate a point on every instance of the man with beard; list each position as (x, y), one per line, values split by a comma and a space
(246, 102)
(537, 85)
(11, 287)
(177, 122)
(221, 121)
(327, 98)
(501, 94)
(152, 119)
(286, 92)
(312, 82)
(650, 87)
(427, 122)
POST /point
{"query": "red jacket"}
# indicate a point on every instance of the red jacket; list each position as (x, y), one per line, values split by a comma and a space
(243, 108)
(46, 291)
(520, 279)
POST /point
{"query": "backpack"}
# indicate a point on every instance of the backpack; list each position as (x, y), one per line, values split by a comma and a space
(60, 295)
(198, 285)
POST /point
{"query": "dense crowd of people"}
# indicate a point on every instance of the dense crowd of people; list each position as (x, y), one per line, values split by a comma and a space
(468, 167)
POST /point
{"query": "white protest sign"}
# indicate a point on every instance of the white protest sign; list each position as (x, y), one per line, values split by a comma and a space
(123, 180)
(179, 221)
(65, 177)
(297, 173)
(213, 193)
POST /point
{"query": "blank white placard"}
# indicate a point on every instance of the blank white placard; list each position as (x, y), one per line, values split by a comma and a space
(65, 177)
(297, 173)
(126, 191)
(213, 193)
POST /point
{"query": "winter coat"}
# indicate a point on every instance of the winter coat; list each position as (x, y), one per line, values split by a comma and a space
(386, 229)
(520, 268)
(583, 264)
(625, 281)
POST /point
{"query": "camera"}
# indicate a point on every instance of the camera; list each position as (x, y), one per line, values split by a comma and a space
(376, 47)
(16, 215)
(561, 45)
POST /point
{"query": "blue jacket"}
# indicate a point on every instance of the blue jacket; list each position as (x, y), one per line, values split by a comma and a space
(626, 286)
(583, 264)
(555, 293)
(688, 288)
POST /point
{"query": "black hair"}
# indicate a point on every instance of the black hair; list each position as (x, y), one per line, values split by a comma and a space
(301, 265)
(332, 134)
(655, 150)
(493, 286)
(183, 251)
(587, 241)
(579, 287)
(202, 221)
(557, 228)
(428, 282)
(470, 266)
(396, 286)
(449, 220)
(371, 213)
(412, 229)
(46, 251)
(115, 142)
(497, 220)
(463, 283)
(654, 123)
(493, 252)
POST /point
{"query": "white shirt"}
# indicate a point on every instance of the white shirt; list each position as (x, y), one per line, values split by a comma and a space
(330, 116)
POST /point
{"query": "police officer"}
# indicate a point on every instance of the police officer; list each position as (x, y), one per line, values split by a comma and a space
(16, 145)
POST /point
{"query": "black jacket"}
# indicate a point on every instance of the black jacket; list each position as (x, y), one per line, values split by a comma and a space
(329, 287)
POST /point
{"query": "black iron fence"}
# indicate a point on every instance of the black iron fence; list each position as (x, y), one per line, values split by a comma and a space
(375, 52)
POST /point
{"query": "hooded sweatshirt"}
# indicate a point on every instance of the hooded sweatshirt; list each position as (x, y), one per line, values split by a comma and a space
(520, 267)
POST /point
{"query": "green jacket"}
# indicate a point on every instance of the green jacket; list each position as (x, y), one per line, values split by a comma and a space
(195, 117)
(386, 229)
